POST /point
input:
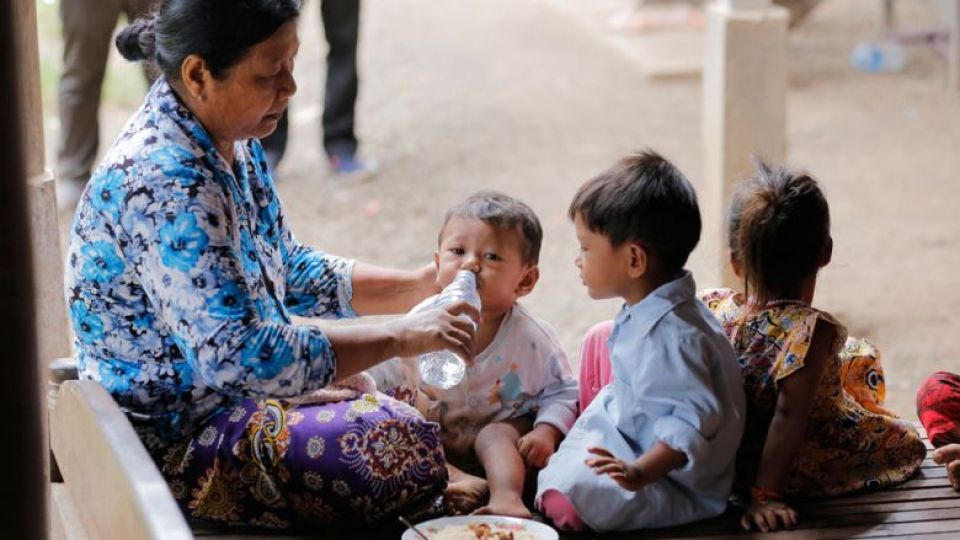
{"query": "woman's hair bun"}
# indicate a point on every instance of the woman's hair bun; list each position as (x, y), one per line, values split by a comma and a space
(138, 40)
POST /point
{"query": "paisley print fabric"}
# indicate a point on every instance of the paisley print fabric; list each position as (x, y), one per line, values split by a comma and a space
(851, 443)
(272, 464)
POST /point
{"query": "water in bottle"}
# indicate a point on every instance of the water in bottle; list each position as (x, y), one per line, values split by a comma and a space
(444, 369)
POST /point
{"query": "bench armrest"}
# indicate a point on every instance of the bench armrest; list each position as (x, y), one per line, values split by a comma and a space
(114, 484)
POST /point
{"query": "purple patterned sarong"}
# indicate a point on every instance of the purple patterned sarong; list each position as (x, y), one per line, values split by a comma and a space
(272, 464)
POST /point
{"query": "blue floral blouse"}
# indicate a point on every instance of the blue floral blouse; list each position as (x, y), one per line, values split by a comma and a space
(182, 277)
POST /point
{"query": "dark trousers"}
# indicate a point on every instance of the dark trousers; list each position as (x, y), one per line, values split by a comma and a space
(87, 37)
(341, 26)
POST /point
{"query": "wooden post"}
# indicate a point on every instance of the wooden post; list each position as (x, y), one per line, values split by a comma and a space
(744, 106)
(51, 314)
(24, 515)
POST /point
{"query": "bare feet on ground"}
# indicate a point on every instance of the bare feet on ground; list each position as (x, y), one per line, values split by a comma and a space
(508, 506)
(465, 493)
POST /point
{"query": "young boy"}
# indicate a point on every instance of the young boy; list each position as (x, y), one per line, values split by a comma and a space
(518, 397)
(656, 446)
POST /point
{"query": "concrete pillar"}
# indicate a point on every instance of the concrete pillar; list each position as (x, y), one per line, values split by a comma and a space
(53, 331)
(744, 106)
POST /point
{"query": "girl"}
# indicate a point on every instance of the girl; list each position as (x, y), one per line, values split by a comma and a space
(814, 422)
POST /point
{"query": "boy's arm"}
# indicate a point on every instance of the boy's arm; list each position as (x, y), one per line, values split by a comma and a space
(653, 465)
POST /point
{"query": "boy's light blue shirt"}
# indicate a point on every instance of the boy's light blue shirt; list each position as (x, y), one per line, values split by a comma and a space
(676, 381)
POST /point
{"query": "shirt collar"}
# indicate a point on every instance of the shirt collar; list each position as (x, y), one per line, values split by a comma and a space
(663, 299)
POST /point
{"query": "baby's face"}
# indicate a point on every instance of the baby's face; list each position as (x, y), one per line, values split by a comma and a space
(495, 254)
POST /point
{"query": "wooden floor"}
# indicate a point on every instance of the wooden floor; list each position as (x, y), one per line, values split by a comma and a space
(924, 507)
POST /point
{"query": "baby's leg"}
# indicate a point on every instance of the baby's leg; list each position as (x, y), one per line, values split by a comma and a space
(496, 448)
(465, 492)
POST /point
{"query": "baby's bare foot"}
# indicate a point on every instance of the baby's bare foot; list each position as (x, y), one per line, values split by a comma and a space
(465, 493)
(506, 506)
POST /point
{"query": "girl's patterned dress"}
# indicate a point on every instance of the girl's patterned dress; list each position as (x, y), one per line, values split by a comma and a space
(851, 443)
(182, 279)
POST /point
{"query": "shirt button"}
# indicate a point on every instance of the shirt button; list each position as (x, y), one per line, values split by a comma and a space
(473, 402)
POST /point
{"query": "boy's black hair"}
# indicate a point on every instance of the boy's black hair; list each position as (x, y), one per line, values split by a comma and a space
(643, 198)
(505, 212)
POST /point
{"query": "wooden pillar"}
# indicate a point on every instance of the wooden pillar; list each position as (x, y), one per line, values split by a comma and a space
(744, 107)
(24, 514)
(54, 339)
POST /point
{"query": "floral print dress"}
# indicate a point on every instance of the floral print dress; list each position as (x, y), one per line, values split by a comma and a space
(181, 280)
(851, 443)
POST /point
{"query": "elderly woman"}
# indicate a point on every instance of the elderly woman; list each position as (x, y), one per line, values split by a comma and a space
(183, 276)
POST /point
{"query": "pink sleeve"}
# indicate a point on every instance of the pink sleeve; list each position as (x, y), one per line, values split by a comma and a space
(595, 370)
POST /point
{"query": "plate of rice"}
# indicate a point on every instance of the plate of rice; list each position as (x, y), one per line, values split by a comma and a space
(482, 528)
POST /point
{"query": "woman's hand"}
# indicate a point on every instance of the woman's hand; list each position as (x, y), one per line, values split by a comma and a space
(452, 327)
(628, 475)
(538, 445)
(768, 516)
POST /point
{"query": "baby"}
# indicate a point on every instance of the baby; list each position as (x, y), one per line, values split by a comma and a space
(518, 397)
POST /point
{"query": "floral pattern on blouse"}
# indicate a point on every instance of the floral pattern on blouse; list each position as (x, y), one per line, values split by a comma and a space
(182, 277)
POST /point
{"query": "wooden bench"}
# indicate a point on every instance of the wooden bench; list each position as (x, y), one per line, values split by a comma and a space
(113, 490)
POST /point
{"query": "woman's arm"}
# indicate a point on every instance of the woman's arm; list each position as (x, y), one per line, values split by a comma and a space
(786, 431)
(361, 347)
(382, 291)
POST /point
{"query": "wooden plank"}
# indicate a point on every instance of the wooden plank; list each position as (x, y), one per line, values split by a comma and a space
(917, 536)
(885, 507)
(117, 489)
(951, 527)
(934, 472)
(910, 516)
(884, 496)
(65, 521)
(922, 483)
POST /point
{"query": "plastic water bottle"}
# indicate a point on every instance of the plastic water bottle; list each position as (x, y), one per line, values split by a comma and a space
(444, 369)
(888, 56)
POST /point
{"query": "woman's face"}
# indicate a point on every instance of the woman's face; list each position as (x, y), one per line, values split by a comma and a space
(250, 97)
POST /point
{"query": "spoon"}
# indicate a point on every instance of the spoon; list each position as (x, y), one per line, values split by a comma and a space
(413, 528)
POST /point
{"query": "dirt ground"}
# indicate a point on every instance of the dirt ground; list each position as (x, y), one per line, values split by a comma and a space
(519, 97)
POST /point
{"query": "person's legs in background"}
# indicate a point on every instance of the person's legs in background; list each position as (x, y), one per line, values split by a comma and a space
(87, 29)
(87, 37)
(341, 24)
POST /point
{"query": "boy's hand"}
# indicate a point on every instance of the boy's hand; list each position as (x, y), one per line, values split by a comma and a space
(628, 475)
(538, 445)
